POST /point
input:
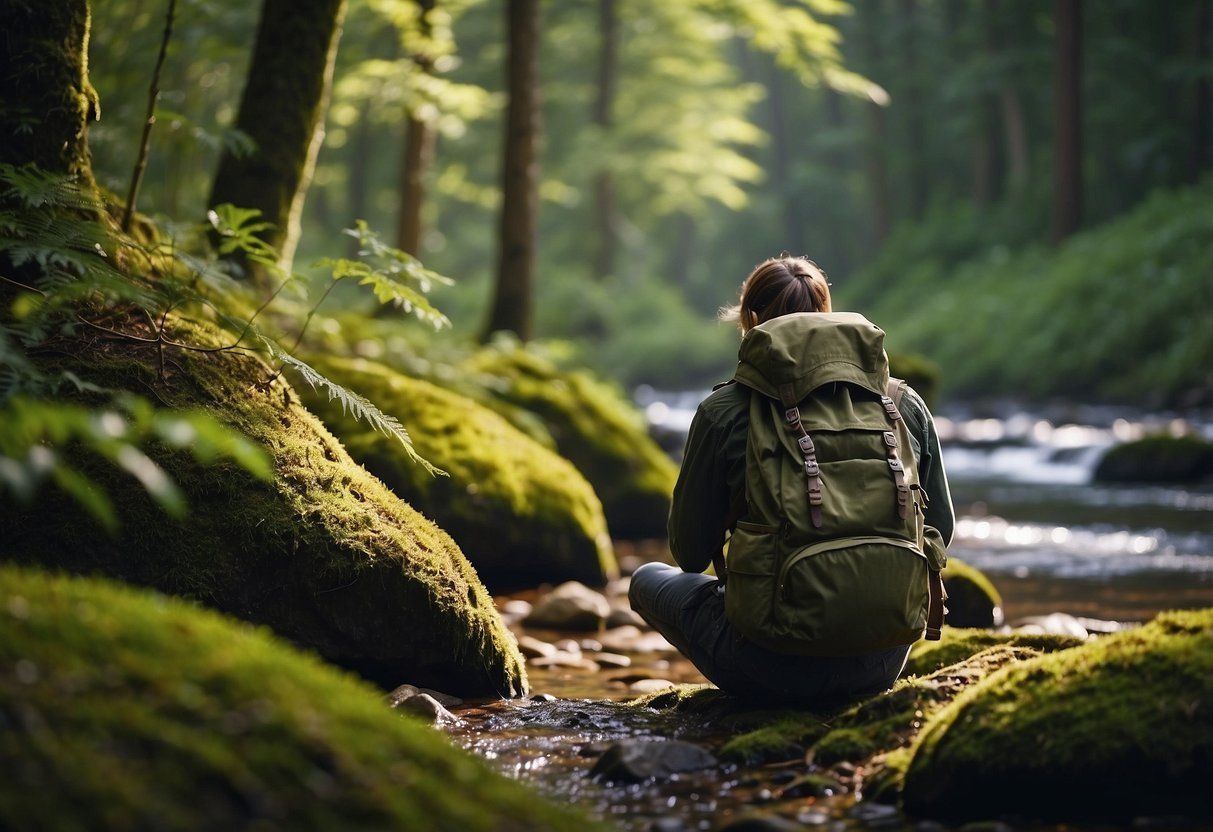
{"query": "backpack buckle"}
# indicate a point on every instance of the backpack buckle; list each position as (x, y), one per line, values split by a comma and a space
(895, 464)
(812, 468)
(890, 439)
(792, 415)
(806, 444)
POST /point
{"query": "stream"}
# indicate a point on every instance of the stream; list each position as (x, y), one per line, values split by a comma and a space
(1028, 516)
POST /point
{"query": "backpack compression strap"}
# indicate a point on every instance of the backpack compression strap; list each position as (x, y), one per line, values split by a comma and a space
(935, 592)
(812, 471)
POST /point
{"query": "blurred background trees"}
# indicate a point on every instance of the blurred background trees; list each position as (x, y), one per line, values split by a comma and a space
(900, 143)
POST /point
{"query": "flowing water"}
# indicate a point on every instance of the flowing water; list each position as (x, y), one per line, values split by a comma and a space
(1028, 516)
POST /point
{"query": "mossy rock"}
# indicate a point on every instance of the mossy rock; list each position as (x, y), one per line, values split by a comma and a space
(325, 555)
(919, 372)
(972, 599)
(520, 512)
(1116, 729)
(956, 645)
(1158, 459)
(594, 426)
(124, 709)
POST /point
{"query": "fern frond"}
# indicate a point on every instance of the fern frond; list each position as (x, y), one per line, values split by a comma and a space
(355, 405)
(32, 187)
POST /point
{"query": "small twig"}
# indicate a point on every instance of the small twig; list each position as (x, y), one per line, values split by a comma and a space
(21, 285)
(153, 96)
(299, 338)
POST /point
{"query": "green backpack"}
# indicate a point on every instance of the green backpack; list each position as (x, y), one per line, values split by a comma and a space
(831, 556)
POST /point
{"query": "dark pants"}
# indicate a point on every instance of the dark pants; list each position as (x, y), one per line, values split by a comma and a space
(688, 609)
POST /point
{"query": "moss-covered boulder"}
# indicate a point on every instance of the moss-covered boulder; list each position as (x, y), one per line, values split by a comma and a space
(520, 512)
(1116, 729)
(123, 709)
(1158, 459)
(325, 555)
(592, 425)
(973, 601)
(956, 645)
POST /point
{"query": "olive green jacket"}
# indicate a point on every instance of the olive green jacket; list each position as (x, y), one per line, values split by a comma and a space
(712, 479)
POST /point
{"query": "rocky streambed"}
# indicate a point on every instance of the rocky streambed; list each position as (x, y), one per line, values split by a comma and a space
(620, 725)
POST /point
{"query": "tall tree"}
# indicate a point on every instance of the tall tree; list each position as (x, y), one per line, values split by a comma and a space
(282, 110)
(1067, 120)
(604, 104)
(513, 301)
(1200, 156)
(418, 144)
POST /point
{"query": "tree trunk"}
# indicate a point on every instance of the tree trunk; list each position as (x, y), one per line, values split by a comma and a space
(1067, 121)
(358, 176)
(418, 153)
(604, 105)
(513, 295)
(46, 98)
(1200, 157)
(919, 181)
(282, 110)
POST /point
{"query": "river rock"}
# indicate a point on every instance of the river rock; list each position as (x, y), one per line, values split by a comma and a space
(1058, 624)
(972, 599)
(428, 708)
(534, 648)
(570, 606)
(403, 692)
(637, 760)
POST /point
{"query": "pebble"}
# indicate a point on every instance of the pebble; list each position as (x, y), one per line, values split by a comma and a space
(533, 648)
(404, 692)
(650, 685)
(639, 760)
(427, 706)
(570, 606)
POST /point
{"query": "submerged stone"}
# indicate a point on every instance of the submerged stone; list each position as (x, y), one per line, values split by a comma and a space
(520, 512)
(639, 760)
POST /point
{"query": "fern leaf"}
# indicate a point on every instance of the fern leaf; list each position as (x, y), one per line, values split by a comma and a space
(355, 405)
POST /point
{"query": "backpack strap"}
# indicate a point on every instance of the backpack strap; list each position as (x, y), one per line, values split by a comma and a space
(890, 446)
(812, 470)
(935, 591)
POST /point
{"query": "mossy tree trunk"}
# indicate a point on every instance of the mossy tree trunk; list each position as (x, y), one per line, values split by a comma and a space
(282, 111)
(46, 100)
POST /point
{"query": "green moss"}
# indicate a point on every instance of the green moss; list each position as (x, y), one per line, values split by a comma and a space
(1115, 729)
(594, 426)
(972, 599)
(521, 513)
(786, 738)
(326, 555)
(120, 709)
(1167, 459)
(957, 644)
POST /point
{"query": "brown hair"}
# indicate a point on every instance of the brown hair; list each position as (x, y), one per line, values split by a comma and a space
(779, 286)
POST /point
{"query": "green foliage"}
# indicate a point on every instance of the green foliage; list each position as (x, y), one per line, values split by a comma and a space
(1115, 311)
(82, 270)
(40, 438)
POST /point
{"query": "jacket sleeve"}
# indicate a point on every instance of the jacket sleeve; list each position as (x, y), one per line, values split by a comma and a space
(940, 512)
(700, 506)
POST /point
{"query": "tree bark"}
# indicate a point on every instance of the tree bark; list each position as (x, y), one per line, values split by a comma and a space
(604, 105)
(282, 110)
(1200, 157)
(46, 100)
(1067, 121)
(418, 153)
(513, 294)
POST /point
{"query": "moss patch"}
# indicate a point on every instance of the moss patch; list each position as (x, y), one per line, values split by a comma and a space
(972, 599)
(521, 513)
(326, 555)
(594, 426)
(121, 709)
(1115, 729)
(957, 644)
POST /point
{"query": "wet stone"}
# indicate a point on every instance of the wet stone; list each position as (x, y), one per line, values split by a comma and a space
(637, 760)
(875, 814)
(533, 648)
(428, 707)
(762, 823)
(405, 692)
(570, 606)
